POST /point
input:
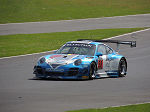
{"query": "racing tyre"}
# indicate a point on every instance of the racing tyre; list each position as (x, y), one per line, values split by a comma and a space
(92, 72)
(122, 69)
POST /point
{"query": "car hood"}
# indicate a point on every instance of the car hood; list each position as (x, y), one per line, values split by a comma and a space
(63, 58)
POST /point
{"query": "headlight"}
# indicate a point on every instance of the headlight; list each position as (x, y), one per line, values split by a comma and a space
(42, 60)
(78, 62)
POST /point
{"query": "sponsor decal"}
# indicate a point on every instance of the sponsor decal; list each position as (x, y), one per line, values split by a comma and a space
(100, 64)
(90, 57)
(54, 70)
(79, 45)
(55, 56)
(87, 59)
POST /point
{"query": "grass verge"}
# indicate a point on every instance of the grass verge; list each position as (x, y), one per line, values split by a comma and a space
(12, 45)
(130, 108)
(14, 11)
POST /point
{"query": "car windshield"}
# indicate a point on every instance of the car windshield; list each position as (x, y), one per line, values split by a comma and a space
(77, 48)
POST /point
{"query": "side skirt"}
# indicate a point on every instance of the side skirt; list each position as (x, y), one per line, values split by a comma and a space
(106, 74)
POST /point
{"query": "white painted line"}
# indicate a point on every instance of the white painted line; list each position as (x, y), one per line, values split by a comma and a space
(127, 34)
(27, 54)
(80, 19)
(125, 105)
(55, 50)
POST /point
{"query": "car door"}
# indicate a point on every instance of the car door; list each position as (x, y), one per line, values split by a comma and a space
(103, 61)
(110, 57)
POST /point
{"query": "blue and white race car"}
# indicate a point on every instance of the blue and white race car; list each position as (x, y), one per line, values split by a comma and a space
(83, 59)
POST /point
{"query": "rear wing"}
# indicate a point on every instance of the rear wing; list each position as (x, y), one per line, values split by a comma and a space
(118, 42)
(131, 43)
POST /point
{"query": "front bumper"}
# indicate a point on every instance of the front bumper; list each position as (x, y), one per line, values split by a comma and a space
(62, 73)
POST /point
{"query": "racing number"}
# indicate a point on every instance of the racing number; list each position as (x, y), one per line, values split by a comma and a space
(100, 64)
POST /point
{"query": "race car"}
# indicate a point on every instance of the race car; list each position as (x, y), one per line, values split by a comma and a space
(83, 59)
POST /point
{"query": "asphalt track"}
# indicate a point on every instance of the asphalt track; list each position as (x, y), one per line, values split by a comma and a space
(20, 93)
(131, 21)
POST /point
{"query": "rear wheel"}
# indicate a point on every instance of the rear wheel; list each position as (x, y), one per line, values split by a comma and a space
(122, 69)
(92, 72)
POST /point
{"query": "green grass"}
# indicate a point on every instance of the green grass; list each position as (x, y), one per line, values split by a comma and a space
(12, 11)
(12, 45)
(131, 108)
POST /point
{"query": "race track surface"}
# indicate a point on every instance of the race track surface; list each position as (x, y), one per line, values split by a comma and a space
(132, 21)
(20, 93)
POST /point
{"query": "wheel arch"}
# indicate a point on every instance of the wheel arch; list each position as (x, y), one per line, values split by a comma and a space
(123, 58)
(94, 63)
(120, 61)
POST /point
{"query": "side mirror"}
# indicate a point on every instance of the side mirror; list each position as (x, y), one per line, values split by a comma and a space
(99, 54)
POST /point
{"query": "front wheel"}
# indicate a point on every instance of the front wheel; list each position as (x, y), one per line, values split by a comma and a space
(92, 72)
(122, 69)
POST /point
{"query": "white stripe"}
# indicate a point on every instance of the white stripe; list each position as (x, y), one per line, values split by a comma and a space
(125, 105)
(127, 34)
(55, 50)
(27, 54)
(79, 19)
